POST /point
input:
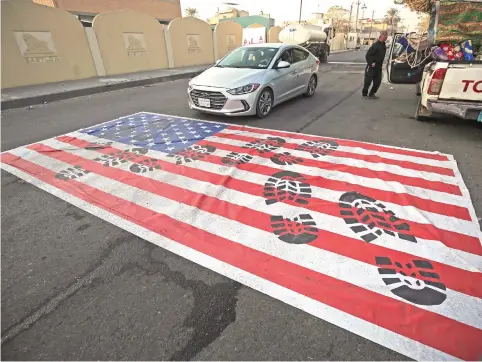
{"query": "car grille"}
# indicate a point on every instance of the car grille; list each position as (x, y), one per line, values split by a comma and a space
(217, 99)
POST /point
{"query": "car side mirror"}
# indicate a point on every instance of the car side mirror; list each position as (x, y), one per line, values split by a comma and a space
(283, 65)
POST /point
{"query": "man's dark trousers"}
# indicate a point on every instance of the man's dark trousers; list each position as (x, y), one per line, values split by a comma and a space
(372, 75)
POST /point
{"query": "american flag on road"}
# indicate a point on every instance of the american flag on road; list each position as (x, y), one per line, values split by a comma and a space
(379, 240)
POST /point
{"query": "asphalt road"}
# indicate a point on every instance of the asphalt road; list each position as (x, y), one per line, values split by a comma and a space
(75, 287)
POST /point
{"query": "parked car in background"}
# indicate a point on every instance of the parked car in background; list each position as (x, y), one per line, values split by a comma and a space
(253, 79)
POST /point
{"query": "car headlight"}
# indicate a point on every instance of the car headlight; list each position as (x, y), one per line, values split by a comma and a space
(191, 83)
(244, 89)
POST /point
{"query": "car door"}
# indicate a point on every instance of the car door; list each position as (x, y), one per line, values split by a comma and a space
(305, 68)
(285, 80)
(401, 72)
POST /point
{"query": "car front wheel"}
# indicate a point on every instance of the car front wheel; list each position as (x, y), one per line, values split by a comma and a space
(265, 103)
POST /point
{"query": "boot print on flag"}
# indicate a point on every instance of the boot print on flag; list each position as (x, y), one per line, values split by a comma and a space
(369, 219)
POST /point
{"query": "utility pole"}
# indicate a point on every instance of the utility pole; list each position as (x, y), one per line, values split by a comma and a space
(371, 25)
(301, 6)
(357, 11)
(349, 21)
(362, 17)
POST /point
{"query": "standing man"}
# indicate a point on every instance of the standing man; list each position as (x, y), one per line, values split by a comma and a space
(373, 72)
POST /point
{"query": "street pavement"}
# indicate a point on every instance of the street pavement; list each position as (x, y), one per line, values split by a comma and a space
(75, 287)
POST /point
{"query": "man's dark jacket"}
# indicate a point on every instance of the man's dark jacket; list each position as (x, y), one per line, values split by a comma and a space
(376, 54)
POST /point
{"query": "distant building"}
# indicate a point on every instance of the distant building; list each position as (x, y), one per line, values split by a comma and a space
(318, 19)
(86, 10)
(369, 30)
(229, 13)
(264, 20)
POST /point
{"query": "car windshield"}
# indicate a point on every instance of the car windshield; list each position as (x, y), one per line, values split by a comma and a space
(249, 57)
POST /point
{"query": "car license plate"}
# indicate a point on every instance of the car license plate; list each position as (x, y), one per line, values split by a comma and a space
(203, 102)
(480, 117)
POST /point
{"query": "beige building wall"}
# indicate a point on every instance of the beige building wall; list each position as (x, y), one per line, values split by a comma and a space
(159, 9)
(130, 42)
(273, 34)
(192, 42)
(38, 45)
(338, 42)
(228, 35)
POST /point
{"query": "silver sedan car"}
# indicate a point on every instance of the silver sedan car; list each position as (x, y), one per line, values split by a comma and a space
(252, 79)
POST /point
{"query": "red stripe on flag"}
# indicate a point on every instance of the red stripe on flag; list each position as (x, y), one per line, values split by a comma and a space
(341, 142)
(432, 329)
(368, 158)
(426, 231)
(456, 279)
(357, 171)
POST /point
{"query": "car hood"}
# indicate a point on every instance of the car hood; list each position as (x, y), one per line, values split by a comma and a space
(227, 77)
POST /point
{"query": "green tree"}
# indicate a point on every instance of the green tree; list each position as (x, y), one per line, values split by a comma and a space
(339, 16)
(392, 17)
(191, 12)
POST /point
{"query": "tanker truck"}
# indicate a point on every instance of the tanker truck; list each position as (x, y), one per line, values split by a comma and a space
(316, 39)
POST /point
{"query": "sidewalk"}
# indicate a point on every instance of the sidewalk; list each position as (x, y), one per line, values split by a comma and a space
(51, 92)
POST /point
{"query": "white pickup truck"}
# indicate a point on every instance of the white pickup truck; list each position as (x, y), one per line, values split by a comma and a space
(448, 87)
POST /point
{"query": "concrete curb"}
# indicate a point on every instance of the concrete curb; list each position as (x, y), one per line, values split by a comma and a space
(341, 51)
(58, 96)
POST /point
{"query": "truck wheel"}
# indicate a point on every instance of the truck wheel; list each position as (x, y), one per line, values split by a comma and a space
(422, 114)
(323, 57)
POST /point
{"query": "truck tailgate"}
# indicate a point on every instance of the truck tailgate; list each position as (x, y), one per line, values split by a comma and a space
(463, 81)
